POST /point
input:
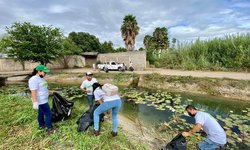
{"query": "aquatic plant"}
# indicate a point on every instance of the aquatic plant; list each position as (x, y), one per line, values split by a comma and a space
(236, 126)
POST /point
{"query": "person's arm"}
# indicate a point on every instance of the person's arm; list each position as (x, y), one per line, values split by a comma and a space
(84, 89)
(98, 96)
(99, 101)
(33, 96)
(34, 99)
(195, 128)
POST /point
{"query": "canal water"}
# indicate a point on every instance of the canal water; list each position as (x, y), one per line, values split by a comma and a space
(150, 116)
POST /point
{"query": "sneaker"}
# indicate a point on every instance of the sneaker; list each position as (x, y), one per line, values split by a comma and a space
(41, 128)
(114, 134)
(51, 131)
(96, 132)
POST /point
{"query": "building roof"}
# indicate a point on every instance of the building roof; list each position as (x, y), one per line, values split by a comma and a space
(89, 54)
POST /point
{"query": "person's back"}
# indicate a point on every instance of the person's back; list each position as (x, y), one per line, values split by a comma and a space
(212, 128)
(106, 102)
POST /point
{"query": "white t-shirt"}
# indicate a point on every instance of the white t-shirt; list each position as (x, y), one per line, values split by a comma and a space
(131, 64)
(41, 87)
(88, 85)
(100, 94)
(212, 128)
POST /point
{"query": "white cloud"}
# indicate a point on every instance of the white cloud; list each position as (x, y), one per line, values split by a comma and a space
(186, 20)
(58, 9)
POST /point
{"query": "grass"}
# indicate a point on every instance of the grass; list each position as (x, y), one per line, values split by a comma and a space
(228, 53)
(204, 84)
(19, 130)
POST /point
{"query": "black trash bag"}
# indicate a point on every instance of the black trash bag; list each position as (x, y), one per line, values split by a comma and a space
(87, 119)
(178, 143)
(61, 107)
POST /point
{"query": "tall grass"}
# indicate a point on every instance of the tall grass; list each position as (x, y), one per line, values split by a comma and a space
(19, 130)
(232, 52)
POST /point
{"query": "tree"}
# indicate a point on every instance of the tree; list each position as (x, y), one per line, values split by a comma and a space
(86, 42)
(148, 42)
(107, 47)
(161, 38)
(129, 31)
(27, 42)
(69, 48)
(120, 49)
(150, 46)
(174, 40)
(155, 44)
(141, 49)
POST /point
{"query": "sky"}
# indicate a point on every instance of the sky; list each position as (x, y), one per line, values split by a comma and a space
(186, 20)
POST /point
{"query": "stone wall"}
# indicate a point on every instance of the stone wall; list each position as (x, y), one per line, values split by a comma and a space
(138, 58)
(8, 64)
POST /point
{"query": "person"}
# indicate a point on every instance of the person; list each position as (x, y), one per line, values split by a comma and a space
(106, 103)
(216, 136)
(94, 66)
(124, 67)
(39, 95)
(106, 69)
(131, 68)
(86, 87)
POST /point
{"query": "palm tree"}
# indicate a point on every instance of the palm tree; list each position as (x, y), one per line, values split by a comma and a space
(129, 31)
(161, 38)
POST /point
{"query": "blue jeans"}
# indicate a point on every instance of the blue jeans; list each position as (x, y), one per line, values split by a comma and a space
(90, 100)
(208, 144)
(115, 105)
(44, 110)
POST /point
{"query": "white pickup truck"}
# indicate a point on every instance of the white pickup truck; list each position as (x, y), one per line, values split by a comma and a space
(112, 65)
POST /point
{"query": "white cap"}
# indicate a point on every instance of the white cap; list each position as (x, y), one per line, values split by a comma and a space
(89, 73)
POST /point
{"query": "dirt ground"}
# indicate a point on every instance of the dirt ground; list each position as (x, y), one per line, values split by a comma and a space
(211, 74)
(140, 133)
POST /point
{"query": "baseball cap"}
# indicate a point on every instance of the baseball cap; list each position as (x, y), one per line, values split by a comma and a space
(89, 73)
(42, 68)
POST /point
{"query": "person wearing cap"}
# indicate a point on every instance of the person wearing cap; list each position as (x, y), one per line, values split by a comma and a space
(86, 87)
(40, 95)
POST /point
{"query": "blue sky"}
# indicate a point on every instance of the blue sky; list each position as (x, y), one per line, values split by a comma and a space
(186, 20)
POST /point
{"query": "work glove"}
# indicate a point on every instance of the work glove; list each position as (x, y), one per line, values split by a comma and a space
(35, 105)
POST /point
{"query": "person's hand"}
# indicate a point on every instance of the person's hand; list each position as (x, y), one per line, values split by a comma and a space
(35, 105)
(185, 134)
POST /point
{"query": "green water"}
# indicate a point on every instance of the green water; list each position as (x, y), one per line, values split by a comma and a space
(213, 105)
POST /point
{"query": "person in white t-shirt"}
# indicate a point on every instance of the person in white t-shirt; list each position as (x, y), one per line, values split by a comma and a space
(106, 103)
(216, 136)
(131, 67)
(39, 95)
(86, 87)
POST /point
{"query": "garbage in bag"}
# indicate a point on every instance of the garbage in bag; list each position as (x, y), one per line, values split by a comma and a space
(61, 107)
(87, 119)
(177, 143)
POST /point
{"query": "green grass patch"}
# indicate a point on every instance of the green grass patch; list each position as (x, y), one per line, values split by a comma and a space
(19, 129)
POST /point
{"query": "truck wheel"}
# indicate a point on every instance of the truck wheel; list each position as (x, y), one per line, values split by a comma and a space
(120, 69)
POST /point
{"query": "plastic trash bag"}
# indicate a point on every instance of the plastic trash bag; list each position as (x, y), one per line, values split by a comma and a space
(61, 107)
(177, 143)
(87, 119)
